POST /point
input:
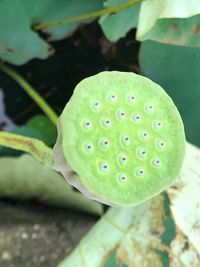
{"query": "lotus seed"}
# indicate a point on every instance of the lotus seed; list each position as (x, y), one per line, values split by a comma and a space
(121, 115)
(131, 99)
(149, 108)
(96, 105)
(160, 144)
(125, 140)
(87, 125)
(106, 123)
(122, 177)
(104, 143)
(137, 118)
(88, 147)
(156, 162)
(122, 159)
(139, 172)
(143, 135)
(112, 98)
(103, 167)
(157, 125)
(142, 153)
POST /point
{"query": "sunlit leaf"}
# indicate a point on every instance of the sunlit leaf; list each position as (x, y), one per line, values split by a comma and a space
(171, 22)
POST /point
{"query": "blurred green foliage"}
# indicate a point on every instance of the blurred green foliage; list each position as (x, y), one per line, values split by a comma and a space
(19, 43)
(115, 26)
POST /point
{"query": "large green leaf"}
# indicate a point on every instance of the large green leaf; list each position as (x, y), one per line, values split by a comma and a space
(171, 22)
(25, 179)
(19, 43)
(117, 25)
(177, 70)
(162, 232)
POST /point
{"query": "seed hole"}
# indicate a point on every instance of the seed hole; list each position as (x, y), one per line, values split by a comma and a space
(121, 177)
(131, 99)
(96, 105)
(136, 118)
(103, 167)
(105, 143)
(122, 159)
(161, 144)
(149, 108)
(142, 153)
(121, 115)
(87, 124)
(88, 147)
(112, 98)
(158, 125)
(143, 135)
(156, 162)
(106, 123)
(125, 140)
(139, 172)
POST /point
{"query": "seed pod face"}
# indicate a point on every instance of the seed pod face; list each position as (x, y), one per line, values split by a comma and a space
(123, 137)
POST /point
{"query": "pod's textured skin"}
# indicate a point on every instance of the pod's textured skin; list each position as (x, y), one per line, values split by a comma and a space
(121, 139)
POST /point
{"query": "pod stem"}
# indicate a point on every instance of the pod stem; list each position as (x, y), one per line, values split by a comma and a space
(31, 92)
(35, 147)
(95, 14)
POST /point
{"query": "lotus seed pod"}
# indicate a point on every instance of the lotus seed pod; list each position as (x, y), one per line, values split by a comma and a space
(120, 139)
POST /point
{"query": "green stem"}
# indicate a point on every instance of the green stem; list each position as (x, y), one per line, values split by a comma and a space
(35, 147)
(31, 92)
(95, 14)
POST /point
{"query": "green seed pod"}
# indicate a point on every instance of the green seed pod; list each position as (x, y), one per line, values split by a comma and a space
(120, 139)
